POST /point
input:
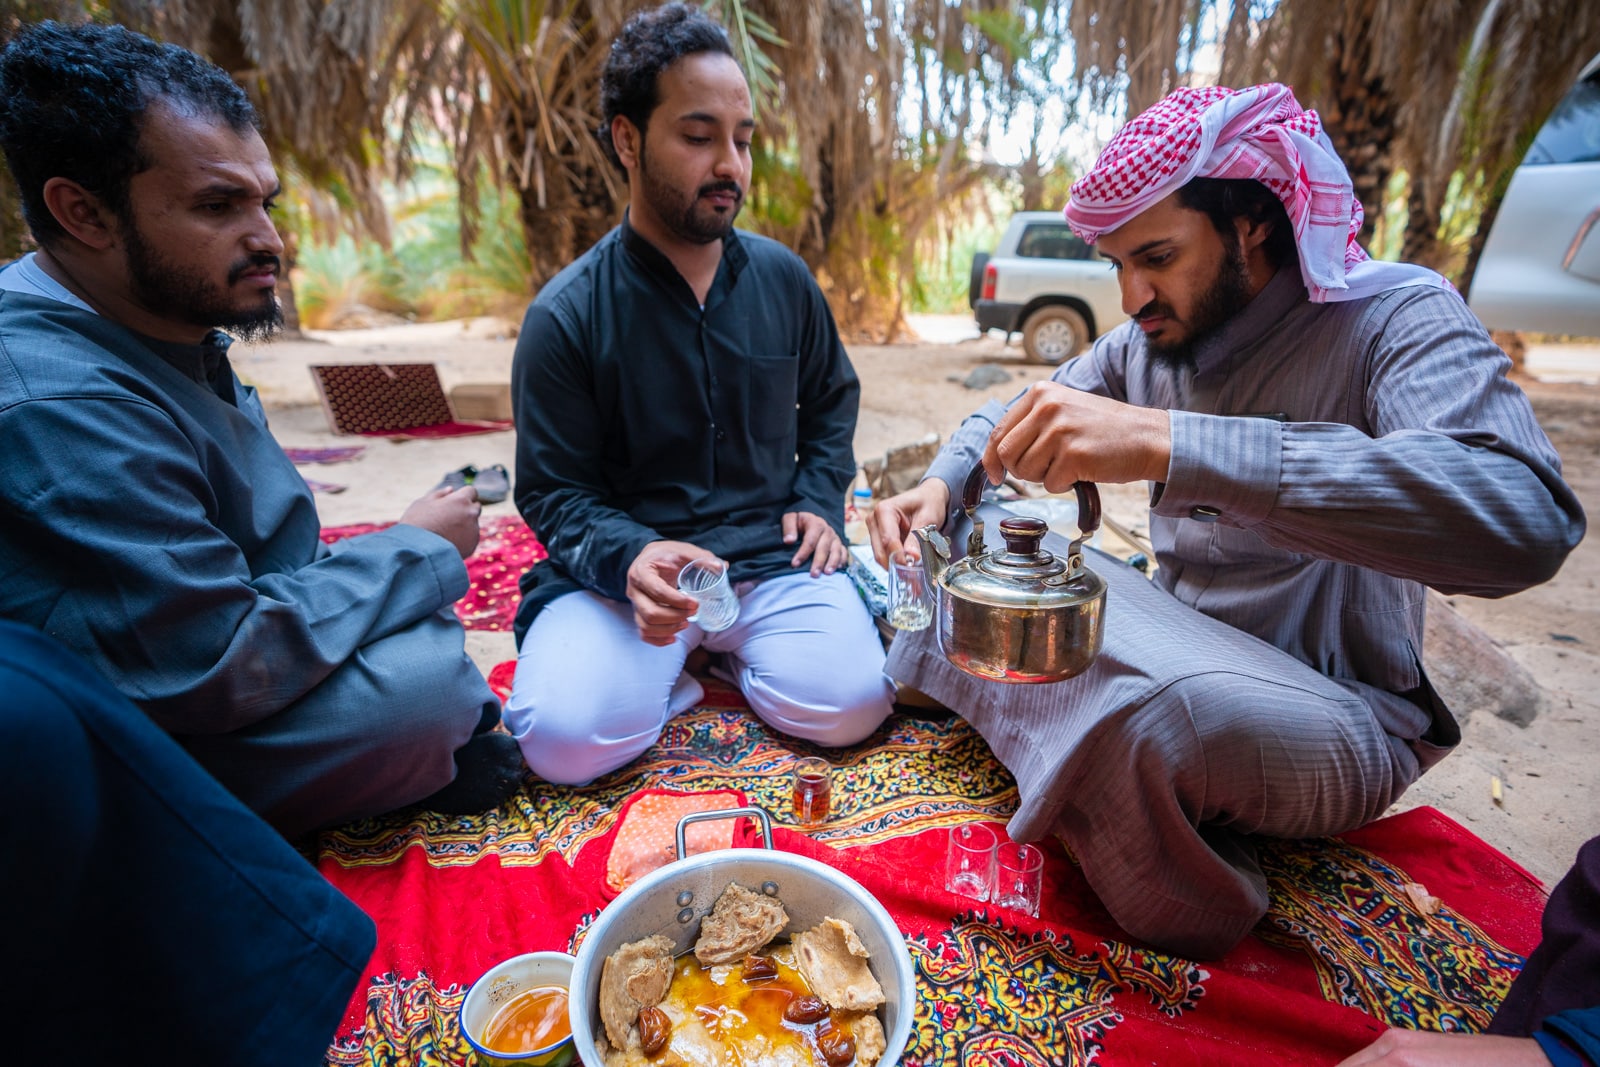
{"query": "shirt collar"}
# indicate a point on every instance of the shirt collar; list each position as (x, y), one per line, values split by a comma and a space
(1281, 295)
(656, 262)
(205, 363)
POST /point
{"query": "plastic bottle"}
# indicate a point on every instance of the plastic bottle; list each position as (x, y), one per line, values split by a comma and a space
(856, 515)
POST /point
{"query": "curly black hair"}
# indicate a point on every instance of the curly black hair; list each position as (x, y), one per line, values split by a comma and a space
(75, 98)
(1224, 199)
(648, 44)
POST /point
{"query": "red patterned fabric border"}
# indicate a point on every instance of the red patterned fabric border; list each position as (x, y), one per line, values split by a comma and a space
(1343, 952)
(506, 548)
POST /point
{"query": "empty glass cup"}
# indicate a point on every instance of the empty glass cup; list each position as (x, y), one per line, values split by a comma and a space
(969, 861)
(1019, 877)
(910, 599)
(707, 581)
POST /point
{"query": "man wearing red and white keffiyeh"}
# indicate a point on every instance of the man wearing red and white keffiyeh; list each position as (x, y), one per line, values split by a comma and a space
(1323, 436)
(1259, 134)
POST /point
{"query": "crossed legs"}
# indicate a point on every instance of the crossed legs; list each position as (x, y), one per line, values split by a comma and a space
(590, 696)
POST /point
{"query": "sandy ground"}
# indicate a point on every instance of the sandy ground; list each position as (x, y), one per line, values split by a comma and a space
(1549, 770)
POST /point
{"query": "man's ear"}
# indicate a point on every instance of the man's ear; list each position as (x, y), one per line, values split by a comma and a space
(1253, 233)
(80, 213)
(627, 139)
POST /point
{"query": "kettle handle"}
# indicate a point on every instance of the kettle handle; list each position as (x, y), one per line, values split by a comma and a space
(972, 490)
(978, 480)
(1088, 507)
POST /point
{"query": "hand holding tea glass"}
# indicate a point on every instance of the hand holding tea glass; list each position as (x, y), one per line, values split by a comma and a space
(910, 599)
(707, 581)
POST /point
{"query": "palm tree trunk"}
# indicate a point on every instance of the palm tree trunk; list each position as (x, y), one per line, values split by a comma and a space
(1421, 241)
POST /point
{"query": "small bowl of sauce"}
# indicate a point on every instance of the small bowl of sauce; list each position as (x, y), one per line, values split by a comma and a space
(516, 1014)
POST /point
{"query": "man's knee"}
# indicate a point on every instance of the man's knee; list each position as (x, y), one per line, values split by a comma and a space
(569, 738)
(830, 707)
(565, 757)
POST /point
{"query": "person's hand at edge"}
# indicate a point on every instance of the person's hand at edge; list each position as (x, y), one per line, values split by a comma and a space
(660, 609)
(892, 520)
(450, 513)
(1056, 435)
(1420, 1048)
(818, 542)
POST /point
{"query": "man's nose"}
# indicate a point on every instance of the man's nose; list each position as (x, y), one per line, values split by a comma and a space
(730, 163)
(263, 235)
(1136, 292)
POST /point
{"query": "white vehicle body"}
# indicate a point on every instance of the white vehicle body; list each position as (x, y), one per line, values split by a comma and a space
(1540, 268)
(1047, 284)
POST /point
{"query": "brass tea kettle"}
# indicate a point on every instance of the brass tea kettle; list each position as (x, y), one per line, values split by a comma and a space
(1022, 615)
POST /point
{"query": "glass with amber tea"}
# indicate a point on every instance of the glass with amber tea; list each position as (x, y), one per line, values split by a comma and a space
(811, 790)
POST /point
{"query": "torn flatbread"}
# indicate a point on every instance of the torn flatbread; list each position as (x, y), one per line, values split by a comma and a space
(635, 976)
(740, 922)
(833, 961)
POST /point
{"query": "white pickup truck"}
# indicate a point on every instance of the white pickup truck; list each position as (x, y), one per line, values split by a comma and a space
(1046, 283)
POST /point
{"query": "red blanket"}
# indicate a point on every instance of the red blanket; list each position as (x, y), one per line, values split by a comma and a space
(506, 548)
(1343, 952)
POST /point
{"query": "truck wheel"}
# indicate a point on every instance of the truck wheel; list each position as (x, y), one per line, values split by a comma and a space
(975, 284)
(1054, 334)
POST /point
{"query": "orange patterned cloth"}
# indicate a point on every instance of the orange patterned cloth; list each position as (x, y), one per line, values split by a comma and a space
(647, 834)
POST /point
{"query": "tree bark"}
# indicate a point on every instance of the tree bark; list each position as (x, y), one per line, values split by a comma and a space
(1421, 242)
(1360, 121)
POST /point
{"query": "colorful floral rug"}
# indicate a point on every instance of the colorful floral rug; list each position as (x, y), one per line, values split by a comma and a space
(1345, 951)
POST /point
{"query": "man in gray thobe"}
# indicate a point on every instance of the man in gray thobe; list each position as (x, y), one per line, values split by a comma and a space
(1324, 436)
(150, 521)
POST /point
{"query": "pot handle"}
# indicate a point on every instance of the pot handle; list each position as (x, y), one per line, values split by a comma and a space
(758, 814)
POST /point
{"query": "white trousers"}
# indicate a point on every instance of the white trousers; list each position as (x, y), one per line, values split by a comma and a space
(591, 696)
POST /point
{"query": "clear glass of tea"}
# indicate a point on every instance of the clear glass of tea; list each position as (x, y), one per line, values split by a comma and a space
(811, 790)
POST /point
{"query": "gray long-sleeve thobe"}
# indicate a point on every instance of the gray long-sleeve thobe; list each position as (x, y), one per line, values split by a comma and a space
(1328, 461)
(153, 524)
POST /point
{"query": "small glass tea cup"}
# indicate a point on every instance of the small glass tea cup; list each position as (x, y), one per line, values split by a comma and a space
(1019, 877)
(707, 581)
(811, 790)
(969, 861)
(910, 599)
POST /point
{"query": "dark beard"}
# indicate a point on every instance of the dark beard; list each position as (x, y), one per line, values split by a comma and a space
(683, 217)
(1227, 296)
(180, 292)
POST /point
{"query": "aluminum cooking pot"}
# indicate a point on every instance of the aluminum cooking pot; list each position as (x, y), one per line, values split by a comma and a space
(1021, 615)
(672, 900)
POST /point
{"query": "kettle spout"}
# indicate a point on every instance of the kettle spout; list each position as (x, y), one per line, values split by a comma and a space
(935, 550)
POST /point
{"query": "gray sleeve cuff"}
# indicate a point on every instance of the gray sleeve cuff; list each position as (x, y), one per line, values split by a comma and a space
(1222, 467)
(962, 452)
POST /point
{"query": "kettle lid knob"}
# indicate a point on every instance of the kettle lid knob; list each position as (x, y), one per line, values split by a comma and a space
(1022, 534)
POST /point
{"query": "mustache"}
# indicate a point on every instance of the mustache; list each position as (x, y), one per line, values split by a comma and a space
(1155, 308)
(711, 188)
(255, 262)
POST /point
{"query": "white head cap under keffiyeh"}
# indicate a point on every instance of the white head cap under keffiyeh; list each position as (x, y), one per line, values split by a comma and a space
(1261, 133)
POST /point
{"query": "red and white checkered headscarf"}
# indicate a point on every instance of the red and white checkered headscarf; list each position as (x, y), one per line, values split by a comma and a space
(1262, 133)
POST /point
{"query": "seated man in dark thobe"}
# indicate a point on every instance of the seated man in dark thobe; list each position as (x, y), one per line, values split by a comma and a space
(682, 395)
(151, 521)
(1324, 435)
